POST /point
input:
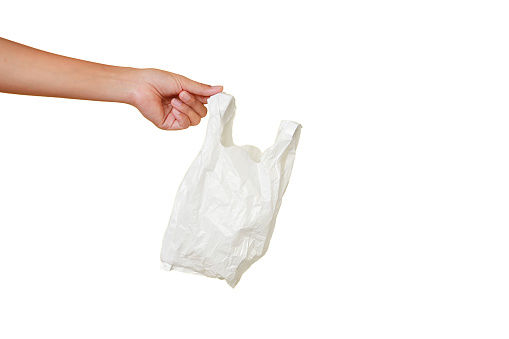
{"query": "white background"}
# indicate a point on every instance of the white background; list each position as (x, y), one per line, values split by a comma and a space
(394, 224)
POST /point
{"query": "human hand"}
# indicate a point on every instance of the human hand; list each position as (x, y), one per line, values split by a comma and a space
(170, 101)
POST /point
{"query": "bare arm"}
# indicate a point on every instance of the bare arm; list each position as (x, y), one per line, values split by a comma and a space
(169, 100)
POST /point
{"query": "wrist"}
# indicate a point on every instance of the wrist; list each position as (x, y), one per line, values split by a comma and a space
(140, 85)
(129, 81)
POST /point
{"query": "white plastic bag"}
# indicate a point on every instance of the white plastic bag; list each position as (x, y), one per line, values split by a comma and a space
(226, 206)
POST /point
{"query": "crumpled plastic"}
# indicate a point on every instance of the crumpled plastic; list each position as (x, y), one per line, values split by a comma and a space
(226, 206)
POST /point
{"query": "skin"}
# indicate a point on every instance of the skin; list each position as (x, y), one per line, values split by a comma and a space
(170, 101)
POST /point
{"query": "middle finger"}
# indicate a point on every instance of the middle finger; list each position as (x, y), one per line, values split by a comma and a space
(194, 103)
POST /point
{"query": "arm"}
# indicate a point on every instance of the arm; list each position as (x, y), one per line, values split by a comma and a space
(169, 100)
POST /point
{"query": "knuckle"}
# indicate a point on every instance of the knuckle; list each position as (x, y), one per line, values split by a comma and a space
(203, 111)
(195, 121)
(186, 109)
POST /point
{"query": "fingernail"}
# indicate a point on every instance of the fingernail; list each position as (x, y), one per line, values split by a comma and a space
(176, 102)
(217, 87)
(185, 96)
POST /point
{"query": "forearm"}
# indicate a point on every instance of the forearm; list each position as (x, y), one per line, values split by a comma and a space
(25, 70)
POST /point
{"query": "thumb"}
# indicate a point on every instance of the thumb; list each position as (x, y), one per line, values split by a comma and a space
(199, 88)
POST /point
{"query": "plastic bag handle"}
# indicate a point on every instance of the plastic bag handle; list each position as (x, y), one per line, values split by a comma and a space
(280, 156)
(287, 137)
(221, 115)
